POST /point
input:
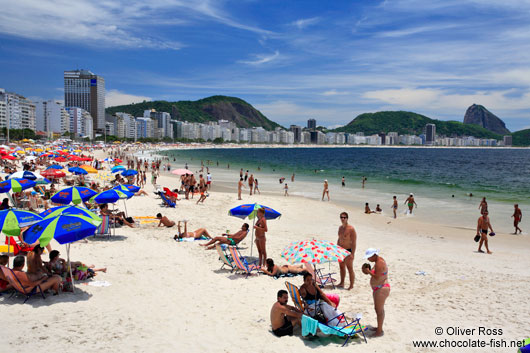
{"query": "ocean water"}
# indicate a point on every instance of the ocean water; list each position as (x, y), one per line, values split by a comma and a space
(440, 178)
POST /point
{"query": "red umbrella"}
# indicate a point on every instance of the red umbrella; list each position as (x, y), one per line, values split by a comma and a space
(118, 160)
(10, 157)
(60, 159)
(85, 159)
(53, 173)
(3, 152)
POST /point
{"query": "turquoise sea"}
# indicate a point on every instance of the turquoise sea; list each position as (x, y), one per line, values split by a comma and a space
(440, 178)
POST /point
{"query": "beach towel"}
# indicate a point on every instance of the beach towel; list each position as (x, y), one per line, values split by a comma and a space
(310, 326)
(191, 239)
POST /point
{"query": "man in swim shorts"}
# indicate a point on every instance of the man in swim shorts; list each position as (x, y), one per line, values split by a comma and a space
(347, 240)
(228, 239)
(483, 225)
(284, 317)
(164, 221)
(517, 216)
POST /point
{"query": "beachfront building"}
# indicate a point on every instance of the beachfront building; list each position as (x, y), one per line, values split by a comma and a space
(311, 124)
(297, 131)
(109, 129)
(430, 134)
(51, 117)
(507, 140)
(19, 112)
(81, 122)
(163, 125)
(86, 90)
(305, 137)
(125, 126)
(144, 127)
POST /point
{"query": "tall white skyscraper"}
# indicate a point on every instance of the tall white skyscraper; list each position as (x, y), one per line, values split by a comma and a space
(83, 89)
(51, 117)
(16, 111)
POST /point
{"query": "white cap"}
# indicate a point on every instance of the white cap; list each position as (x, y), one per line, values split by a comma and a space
(411, 194)
(370, 252)
(325, 179)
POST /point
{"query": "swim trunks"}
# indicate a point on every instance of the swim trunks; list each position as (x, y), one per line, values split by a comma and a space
(485, 231)
(286, 329)
(232, 242)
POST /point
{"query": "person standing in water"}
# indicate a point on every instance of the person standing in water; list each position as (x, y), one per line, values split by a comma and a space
(286, 188)
(517, 216)
(292, 178)
(343, 182)
(326, 190)
(483, 206)
(240, 186)
(411, 203)
(251, 183)
(261, 229)
(483, 225)
(395, 206)
(363, 180)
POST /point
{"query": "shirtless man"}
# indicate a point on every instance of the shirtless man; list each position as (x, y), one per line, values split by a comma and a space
(240, 187)
(482, 228)
(343, 181)
(292, 178)
(195, 234)
(229, 239)
(326, 190)
(284, 317)
(395, 206)
(363, 180)
(347, 240)
(45, 283)
(367, 209)
(410, 202)
(517, 216)
(483, 207)
(164, 221)
(202, 182)
(251, 183)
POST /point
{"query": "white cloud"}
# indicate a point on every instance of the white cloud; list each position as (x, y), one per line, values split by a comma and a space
(261, 59)
(334, 92)
(114, 97)
(305, 22)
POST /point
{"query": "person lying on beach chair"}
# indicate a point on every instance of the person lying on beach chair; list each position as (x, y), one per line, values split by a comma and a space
(276, 271)
(28, 285)
(228, 239)
(195, 234)
(164, 221)
(117, 217)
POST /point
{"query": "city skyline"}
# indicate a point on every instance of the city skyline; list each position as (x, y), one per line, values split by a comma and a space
(305, 60)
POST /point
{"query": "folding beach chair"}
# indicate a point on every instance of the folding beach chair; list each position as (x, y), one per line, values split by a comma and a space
(224, 257)
(310, 326)
(170, 193)
(16, 247)
(241, 263)
(104, 227)
(167, 202)
(13, 280)
(320, 278)
(295, 296)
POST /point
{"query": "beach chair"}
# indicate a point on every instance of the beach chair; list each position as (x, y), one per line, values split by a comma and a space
(167, 202)
(224, 257)
(17, 285)
(310, 326)
(16, 247)
(295, 296)
(241, 263)
(104, 227)
(170, 193)
(320, 278)
(158, 190)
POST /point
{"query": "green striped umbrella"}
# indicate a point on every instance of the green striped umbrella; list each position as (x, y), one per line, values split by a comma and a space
(16, 185)
(12, 220)
(56, 211)
(74, 194)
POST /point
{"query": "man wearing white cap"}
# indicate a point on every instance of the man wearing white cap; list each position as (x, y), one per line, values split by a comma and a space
(379, 284)
(410, 202)
(326, 191)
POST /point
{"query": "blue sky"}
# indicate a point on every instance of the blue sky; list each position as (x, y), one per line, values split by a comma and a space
(293, 60)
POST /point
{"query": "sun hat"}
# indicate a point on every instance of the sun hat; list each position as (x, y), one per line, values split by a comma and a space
(325, 179)
(370, 252)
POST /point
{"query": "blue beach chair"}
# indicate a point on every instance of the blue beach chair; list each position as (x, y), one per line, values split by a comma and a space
(167, 202)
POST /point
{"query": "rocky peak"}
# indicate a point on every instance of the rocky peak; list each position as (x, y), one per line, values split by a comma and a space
(479, 115)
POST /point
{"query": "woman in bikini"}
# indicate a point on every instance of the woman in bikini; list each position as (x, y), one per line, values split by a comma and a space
(317, 301)
(197, 234)
(261, 229)
(276, 271)
(379, 284)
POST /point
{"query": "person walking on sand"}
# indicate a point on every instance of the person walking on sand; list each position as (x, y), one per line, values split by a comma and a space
(410, 202)
(286, 188)
(483, 206)
(517, 216)
(483, 225)
(261, 229)
(326, 190)
(395, 206)
(347, 240)
(240, 186)
(343, 182)
(363, 180)
(292, 178)
(251, 183)
(256, 187)
(379, 284)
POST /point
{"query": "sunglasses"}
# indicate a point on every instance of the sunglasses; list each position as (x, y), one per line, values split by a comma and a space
(343, 217)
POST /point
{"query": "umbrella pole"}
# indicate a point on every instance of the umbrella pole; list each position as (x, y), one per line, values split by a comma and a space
(70, 266)
(125, 204)
(113, 223)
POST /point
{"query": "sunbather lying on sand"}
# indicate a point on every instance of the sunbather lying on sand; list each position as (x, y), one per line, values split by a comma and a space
(195, 234)
(277, 271)
(164, 221)
(59, 266)
(229, 239)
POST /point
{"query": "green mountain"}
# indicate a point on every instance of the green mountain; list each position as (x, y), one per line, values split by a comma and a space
(212, 108)
(411, 123)
(521, 138)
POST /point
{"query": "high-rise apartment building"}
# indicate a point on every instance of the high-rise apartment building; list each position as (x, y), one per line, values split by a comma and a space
(430, 134)
(16, 111)
(311, 124)
(81, 123)
(51, 117)
(163, 125)
(83, 89)
(297, 131)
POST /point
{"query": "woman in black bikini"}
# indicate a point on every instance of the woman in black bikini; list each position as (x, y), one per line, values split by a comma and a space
(276, 271)
(315, 297)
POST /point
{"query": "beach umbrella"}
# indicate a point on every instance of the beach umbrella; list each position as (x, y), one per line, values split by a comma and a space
(60, 159)
(10, 157)
(111, 196)
(314, 252)
(53, 173)
(16, 185)
(65, 228)
(12, 220)
(118, 168)
(129, 172)
(55, 211)
(22, 175)
(89, 169)
(117, 160)
(250, 211)
(74, 194)
(181, 171)
(55, 166)
(77, 171)
(127, 187)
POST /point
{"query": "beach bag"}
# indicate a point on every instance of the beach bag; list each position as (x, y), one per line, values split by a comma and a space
(477, 238)
(80, 273)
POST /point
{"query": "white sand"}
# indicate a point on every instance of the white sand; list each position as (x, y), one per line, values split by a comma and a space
(167, 296)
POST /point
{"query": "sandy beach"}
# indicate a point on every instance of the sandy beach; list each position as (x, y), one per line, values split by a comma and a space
(167, 296)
